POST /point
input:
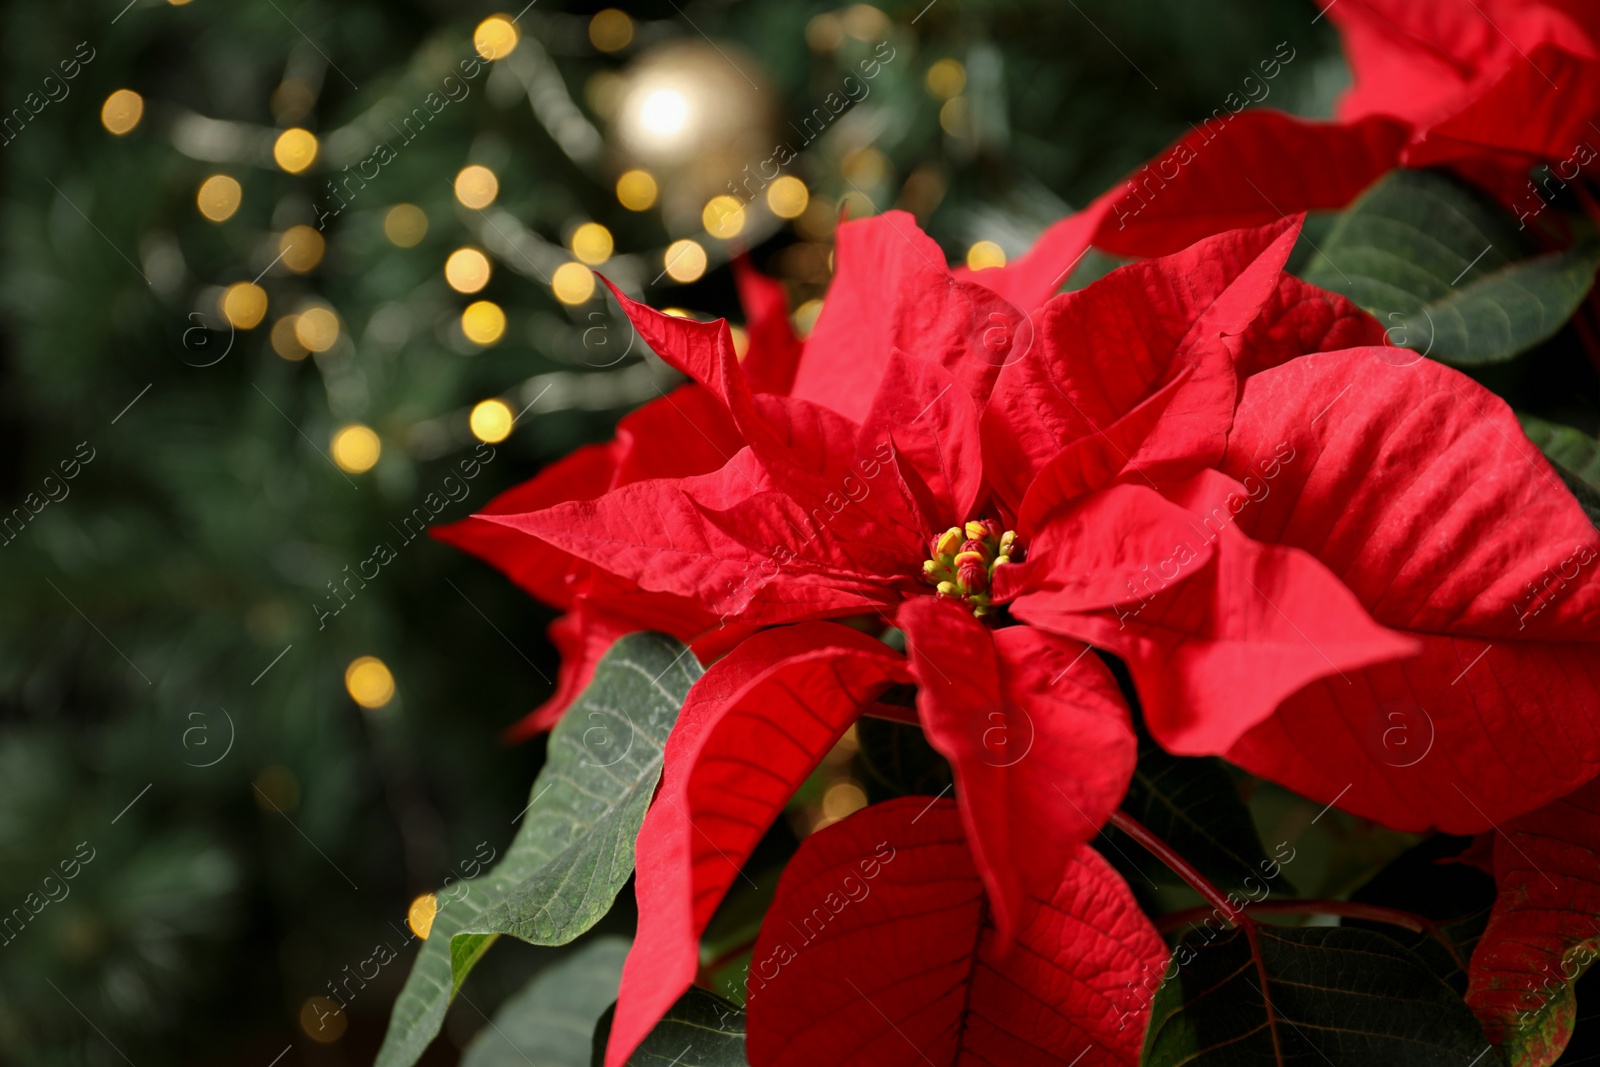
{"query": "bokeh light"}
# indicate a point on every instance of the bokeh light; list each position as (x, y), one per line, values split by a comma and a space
(805, 316)
(369, 682)
(491, 421)
(219, 197)
(947, 78)
(467, 270)
(723, 216)
(295, 150)
(476, 187)
(495, 37)
(356, 449)
(244, 304)
(788, 197)
(611, 30)
(420, 915)
(405, 225)
(685, 260)
(317, 328)
(122, 111)
(284, 341)
(572, 283)
(636, 190)
(302, 248)
(483, 322)
(592, 243)
(985, 254)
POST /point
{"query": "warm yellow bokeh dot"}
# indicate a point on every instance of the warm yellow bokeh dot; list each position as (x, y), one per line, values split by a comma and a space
(985, 254)
(122, 111)
(495, 37)
(219, 197)
(356, 449)
(677, 313)
(741, 340)
(405, 224)
(592, 243)
(573, 283)
(420, 915)
(953, 116)
(636, 190)
(611, 30)
(788, 197)
(244, 304)
(317, 328)
(467, 270)
(295, 150)
(805, 316)
(483, 322)
(302, 248)
(947, 78)
(491, 421)
(476, 187)
(177, 3)
(723, 217)
(842, 799)
(685, 260)
(369, 682)
(284, 341)
(322, 1020)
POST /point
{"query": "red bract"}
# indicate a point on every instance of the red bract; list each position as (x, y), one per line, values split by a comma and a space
(1541, 935)
(879, 951)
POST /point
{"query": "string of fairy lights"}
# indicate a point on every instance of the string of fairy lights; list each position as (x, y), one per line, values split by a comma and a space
(663, 113)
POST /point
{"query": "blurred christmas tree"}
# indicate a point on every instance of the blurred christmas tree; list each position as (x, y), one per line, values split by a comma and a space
(286, 282)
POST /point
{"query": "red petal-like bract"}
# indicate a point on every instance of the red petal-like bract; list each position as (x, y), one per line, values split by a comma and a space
(750, 731)
(892, 289)
(1545, 928)
(878, 951)
(1416, 487)
(1102, 350)
(1244, 169)
(1037, 734)
(1543, 933)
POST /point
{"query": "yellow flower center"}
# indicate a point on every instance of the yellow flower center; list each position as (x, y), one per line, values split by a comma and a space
(963, 560)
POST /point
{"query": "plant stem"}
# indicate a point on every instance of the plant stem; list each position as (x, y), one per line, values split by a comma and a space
(1179, 866)
(1343, 908)
(891, 713)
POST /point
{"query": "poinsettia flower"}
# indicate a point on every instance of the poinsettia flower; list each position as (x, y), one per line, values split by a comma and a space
(898, 517)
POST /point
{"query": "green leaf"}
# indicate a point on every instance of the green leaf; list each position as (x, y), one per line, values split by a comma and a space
(1575, 456)
(1193, 805)
(574, 850)
(1331, 995)
(1573, 449)
(551, 1021)
(1448, 272)
(700, 1030)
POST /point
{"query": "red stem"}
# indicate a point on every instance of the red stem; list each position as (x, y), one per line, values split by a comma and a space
(891, 713)
(1180, 866)
(1343, 908)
